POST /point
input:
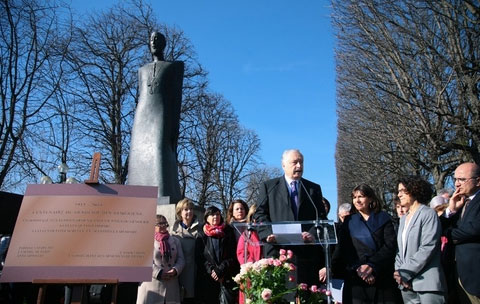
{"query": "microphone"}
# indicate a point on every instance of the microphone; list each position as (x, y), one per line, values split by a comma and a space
(311, 201)
(317, 220)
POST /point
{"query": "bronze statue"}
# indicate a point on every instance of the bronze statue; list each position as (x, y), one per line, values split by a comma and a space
(153, 160)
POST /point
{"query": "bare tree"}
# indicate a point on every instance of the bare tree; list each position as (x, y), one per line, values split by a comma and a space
(106, 51)
(205, 138)
(30, 69)
(216, 154)
(407, 89)
(77, 95)
(257, 176)
(237, 158)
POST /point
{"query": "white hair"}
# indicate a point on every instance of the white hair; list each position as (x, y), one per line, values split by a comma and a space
(445, 191)
(288, 151)
(437, 201)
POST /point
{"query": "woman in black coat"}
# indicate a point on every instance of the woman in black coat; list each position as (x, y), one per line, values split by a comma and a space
(366, 250)
(216, 259)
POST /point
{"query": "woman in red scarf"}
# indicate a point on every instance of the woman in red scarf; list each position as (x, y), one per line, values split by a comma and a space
(168, 262)
(216, 260)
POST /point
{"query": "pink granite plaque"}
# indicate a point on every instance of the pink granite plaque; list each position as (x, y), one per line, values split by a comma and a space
(75, 232)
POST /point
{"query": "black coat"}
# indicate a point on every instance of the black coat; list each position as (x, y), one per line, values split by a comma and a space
(226, 267)
(273, 203)
(464, 232)
(274, 206)
(351, 252)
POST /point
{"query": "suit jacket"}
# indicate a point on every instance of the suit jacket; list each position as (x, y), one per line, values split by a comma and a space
(420, 265)
(274, 206)
(465, 234)
(274, 203)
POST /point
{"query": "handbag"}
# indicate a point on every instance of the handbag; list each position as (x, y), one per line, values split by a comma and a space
(226, 295)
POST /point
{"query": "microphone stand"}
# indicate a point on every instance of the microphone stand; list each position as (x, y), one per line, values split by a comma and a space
(246, 240)
(324, 243)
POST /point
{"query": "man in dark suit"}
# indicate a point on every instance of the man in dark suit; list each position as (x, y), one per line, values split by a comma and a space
(292, 198)
(463, 215)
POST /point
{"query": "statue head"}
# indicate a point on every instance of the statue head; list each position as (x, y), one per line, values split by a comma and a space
(157, 45)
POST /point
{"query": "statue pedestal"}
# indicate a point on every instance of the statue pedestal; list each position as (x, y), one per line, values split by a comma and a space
(164, 200)
(166, 209)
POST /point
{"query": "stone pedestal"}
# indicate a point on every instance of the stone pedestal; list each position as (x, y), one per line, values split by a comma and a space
(166, 209)
(165, 200)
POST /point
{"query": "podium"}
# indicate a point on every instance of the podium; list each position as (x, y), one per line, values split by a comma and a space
(291, 233)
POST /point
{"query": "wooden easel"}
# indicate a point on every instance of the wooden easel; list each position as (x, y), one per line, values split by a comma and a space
(79, 289)
(95, 169)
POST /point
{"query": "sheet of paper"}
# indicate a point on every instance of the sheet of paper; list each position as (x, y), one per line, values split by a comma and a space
(288, 233)
(336, 287)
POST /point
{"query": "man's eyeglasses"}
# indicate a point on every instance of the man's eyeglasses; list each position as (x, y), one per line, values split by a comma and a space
(463, 180)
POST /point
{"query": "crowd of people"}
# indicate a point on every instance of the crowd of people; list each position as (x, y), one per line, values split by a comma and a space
(424, 254)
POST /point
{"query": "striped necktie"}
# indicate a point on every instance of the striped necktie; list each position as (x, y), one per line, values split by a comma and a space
(467, 201)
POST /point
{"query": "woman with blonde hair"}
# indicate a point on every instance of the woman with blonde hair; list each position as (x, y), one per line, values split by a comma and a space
(186, 229)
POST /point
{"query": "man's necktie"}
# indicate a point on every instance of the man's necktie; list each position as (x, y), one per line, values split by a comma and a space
(467, 201)
(294, 198)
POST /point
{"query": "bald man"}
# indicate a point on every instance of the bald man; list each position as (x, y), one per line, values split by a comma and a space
(463, 215)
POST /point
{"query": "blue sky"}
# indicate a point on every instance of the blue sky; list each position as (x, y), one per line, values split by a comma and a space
(273, 60)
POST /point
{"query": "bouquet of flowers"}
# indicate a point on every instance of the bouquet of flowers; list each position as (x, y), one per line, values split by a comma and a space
(312, 295)
(265, 280)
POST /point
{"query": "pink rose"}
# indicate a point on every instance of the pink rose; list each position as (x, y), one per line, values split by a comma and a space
(282, 251)
(313, 288)
(303, 286)
(238, 278)
(282, 258)
(263, 263)
(266, 294)
(292, 267)
(277, 263)
(328, 293)
(291, 278)
(289, 254)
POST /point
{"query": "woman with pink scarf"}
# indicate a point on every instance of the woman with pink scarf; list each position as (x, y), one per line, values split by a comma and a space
(168, 262)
